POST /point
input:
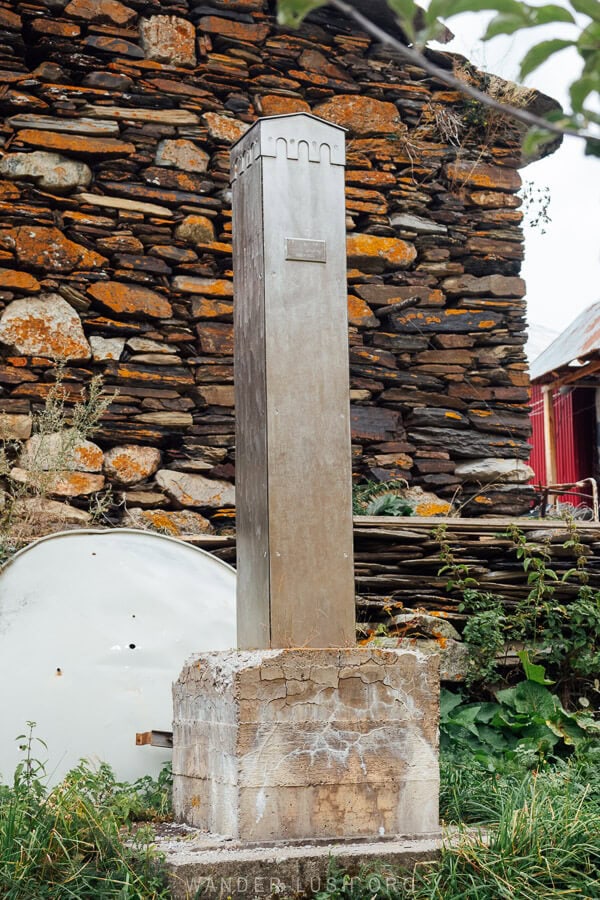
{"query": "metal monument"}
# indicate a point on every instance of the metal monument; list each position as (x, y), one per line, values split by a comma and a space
(299, 735)
(293, 462)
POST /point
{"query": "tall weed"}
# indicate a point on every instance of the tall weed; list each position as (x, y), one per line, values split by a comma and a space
(70, 841)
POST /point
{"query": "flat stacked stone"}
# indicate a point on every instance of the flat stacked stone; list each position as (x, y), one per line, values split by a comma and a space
(115, 245)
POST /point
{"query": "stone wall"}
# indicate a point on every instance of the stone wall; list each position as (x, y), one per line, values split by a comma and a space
(115, 249)
(403, 599)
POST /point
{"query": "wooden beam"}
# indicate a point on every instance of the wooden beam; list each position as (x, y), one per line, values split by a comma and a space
(154, 739)
(549, 435)
(592, 367)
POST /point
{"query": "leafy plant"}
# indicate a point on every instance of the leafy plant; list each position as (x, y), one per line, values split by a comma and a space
(76, 839)
(485, 630)
(526, 721)
(380, 498)
(57, 429)
(565, 635)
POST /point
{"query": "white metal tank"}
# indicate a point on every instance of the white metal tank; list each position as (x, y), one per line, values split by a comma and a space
(94, 628)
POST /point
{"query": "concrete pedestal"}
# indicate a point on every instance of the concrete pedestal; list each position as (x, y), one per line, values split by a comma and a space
(307, 745)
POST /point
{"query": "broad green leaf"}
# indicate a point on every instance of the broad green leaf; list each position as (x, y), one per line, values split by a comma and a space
(445, 9)
(538, 737)
(466, 716)
(448, 701)
(589, 8)
(507, 697)
(532, 671)
(533, 140)
(535, 700)
(291, 12)
(505, 24)
(543, 15)
(404, 9)
(589, 39)
(570, 732)
(487, 711)
(592, 147)
(581, 89)
(540, 53)
(495, 738)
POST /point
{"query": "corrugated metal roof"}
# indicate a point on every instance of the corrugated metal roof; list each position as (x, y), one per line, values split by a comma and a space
(579, 340)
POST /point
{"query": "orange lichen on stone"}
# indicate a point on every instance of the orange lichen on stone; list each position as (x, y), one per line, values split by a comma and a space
(373, 253)
(362, 115)
(8, 191)
(45, 326)
(75, 143)
(132, 299)
(131, 463)
(360, 313)
(169, 39)
(202, 308)
(481, 175)
(101, 11)
(224, 128)
(89, 457)
(279, 105)
(238, 31)
(61, 484)
(10, 279)
(62, 29)
(430, 508)
(49, 250)
(211, 287)
(372, 178)
(452, 415)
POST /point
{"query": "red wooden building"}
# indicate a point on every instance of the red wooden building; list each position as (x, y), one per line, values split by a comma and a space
(565, 409)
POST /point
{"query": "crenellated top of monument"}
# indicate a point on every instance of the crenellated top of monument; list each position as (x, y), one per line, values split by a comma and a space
(290, 133)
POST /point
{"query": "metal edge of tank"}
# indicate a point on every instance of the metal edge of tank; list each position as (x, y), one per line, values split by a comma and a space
(111, 531)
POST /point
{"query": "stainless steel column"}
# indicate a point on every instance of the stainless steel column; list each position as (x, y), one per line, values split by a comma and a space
(293, 465)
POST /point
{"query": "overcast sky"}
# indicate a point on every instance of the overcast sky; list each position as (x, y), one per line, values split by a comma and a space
(562, 266)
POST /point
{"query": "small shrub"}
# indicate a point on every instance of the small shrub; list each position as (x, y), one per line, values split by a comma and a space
(380, 498)
(76, 840)
(48, 459)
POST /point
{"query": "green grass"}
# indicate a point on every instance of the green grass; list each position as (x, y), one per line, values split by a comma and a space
(79, 839)
(522, 834)
(539, 837)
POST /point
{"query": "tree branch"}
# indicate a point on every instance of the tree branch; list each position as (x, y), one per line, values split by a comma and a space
(418, 59)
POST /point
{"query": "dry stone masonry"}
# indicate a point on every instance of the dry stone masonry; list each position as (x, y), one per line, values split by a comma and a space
(115, 248)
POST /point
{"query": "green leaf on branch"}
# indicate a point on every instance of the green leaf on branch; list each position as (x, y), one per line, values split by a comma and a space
(543, 15)
(444, 9)
(505, 24)
(406, 11)
(292, 12)
(592, 147)
(589, 8)
(581, 89)
(540, 53)
(588, 42)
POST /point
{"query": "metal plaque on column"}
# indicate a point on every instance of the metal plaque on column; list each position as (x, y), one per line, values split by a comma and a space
(293, 463)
